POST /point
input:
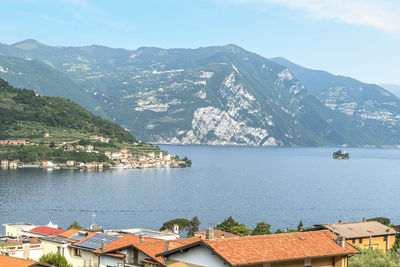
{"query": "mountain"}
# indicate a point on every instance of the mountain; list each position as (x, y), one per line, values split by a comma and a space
(44, 79)
(393, 88)
(213, 95)
(369, 104)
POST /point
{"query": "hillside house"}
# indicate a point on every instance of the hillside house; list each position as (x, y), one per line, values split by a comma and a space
(47, 164)
(116, 155)
(363, 234)
(302, 249)
(13, 142)
(4, 163)
(13, 164)
(70, 163)
(89, 148)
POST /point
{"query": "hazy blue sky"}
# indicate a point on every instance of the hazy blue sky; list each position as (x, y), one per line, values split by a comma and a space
(358, 38)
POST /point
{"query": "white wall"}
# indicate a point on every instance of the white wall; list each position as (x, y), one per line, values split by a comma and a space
(109, 261)
(199, 256)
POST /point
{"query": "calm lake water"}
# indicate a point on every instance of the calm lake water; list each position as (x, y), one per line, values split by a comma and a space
(277, 185)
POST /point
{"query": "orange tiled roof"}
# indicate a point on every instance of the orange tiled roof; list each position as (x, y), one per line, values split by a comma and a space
(67, 234)
(278, 247)
(122, 242)
(217, 234)
(18, 242)
(275, 248)
(151, 246)
(152, 249)
(17, 262)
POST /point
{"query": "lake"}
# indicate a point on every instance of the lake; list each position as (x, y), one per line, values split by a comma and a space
(278, 185)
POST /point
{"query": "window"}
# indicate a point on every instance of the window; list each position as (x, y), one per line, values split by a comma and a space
(353, 241)
(360, 241)
(77, 252)
(307, 262)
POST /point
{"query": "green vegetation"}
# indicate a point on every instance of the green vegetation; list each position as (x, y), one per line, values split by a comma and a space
(55, 259)
(183, 224)
(41, 113)
(262, 228)
(49, 124)
(382, 220)
(231, 226)
(194, 226)
(340, 155)
(75, 225)
(32, 154)
(375, 258)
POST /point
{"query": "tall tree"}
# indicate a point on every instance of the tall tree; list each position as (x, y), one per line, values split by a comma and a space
(227, 224)
(75, 225)
(194, 226)
(262, 228)
(300, 227)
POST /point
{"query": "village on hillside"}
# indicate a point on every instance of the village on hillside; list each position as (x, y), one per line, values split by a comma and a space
(322, 245)
(83, 151)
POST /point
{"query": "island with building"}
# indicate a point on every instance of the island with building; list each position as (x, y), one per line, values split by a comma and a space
(50, 132)
(340, 154)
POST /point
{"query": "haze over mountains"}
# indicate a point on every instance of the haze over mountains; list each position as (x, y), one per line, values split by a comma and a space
(212, 95)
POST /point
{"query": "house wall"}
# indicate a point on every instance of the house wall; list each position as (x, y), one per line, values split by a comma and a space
(109, 261)
(204, 258)
(197, 256)
(53, 247)
(376, 242)
(79, 261)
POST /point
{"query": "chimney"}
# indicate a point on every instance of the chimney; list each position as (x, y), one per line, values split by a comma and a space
(340, 221)
(176, 229)
(364, 219)
(26, 247)
(103, 245)
(141, 238)
(166, 245)
(341, 241)
(210, 233)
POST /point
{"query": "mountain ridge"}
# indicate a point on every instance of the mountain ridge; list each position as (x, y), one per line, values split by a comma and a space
(218, 95)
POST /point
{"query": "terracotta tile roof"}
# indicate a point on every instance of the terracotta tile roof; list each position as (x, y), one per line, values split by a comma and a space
(17, 262)
(278, 247)
(275, 247)
(15, 242)
(359, 229)
(152, 249)
(151, 246)
(45, 230)
(123, 242)
(217, 234)
(71, 232)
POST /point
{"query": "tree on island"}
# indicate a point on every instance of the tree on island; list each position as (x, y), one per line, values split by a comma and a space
(55, 259)
(262, 228)
(75, 225)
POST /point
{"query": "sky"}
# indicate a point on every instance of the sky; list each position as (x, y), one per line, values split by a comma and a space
(356, 38)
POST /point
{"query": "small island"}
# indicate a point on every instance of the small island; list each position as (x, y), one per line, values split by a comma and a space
(341, 154)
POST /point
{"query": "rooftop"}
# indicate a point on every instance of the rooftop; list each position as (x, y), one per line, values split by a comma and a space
(359, 229)
(274, 247)
(17, 262)
(46, 230)
(217, 234)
